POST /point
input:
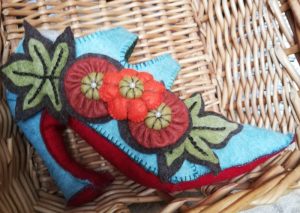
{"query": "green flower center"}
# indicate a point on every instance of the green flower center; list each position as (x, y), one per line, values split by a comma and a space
(131, 87)
(159, 118)
(90, 85)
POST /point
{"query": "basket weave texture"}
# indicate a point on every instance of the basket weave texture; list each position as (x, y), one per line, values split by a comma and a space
(235, 53)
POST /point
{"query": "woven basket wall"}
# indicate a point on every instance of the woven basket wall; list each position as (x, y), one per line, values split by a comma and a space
(235, 53)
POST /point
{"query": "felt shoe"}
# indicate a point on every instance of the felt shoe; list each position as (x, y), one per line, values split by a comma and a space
(126, 113)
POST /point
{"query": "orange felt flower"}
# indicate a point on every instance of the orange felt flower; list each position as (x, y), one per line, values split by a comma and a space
(131, 94)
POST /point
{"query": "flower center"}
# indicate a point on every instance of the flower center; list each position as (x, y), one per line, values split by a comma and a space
(158, 114)
(131, 87)
(90, 85)
(159, 118)
(94, 85)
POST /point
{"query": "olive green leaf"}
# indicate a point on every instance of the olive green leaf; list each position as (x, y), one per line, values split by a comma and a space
(194, 146)
(214, 129)
(197, 148)
(35, 74)
(208, 130)
(42, 73)
(195, 105)
(18, 73)
(174, 154)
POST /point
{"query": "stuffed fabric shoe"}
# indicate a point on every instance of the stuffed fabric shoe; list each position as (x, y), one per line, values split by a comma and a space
(127, 113)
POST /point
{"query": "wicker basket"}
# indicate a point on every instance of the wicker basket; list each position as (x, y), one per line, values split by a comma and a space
(236, 53)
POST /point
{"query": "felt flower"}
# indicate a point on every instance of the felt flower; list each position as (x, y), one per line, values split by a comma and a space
(131, 94)
(164, 125)
(82, 82)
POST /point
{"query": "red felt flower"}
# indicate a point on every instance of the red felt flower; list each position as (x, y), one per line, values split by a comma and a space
(163, 126)
(82, 82)
(131, 94)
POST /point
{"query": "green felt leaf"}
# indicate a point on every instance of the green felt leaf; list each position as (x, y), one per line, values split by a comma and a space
(60, 58)
(197, 148)
(19, 73)
(194, 105)
(208, 130)
(39, 55)
(174, 154)
(49, 83)
(214, 129)
(41, 73)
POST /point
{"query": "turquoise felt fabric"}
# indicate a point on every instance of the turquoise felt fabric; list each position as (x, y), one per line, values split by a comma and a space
(67, 183)
(248, 145)
(118, 44)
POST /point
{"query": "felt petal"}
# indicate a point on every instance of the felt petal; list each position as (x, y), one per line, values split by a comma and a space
(112, 78)
(137, 110)
(117, 108)
(152, 100)
(144, 76)
(128, 72)
(154, 86)
(108, 92)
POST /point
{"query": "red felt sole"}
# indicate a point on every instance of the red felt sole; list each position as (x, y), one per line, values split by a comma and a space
(86, 195)
(51, 131)
(134, 171)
